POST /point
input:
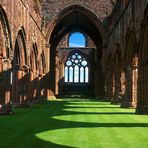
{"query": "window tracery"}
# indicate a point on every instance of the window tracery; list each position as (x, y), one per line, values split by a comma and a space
(76, 69)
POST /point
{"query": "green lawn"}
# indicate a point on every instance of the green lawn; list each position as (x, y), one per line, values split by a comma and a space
(74, 123)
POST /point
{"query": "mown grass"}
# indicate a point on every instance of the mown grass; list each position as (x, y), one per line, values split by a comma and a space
(74, 123)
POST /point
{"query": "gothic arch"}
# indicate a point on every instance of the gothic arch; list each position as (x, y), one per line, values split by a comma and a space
(73, 18)
(5, 58)
(5, 35)
(20, 52)
(20, 69)
(68, 11)
(34, 57)
(43, 63)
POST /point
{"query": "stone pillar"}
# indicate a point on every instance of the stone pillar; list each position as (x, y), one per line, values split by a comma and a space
(57, 74)
(117, 98)
(99, 82)
(122, 79)
(109, 85)
(1, 86)
(142, 101)
(127, 100)
(17, 75)
(30, 90)
(61, 73)
(5, 86)
(134, 84)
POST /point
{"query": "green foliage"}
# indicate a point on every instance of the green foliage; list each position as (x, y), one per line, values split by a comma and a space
(74, 123)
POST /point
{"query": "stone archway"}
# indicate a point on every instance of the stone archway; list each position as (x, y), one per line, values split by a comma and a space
(33, 72)
(5, 58)
(75, 18)
(131, 42)
(20, 69)
(116, 73)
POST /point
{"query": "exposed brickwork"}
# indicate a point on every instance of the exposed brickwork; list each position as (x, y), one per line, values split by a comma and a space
(101, 8)
(125, 25)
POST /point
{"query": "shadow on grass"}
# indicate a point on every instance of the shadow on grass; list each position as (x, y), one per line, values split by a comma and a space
(39, 118)
(97, 107)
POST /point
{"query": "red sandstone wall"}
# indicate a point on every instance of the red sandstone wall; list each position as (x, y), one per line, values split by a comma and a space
(101, 8)
(24, 13)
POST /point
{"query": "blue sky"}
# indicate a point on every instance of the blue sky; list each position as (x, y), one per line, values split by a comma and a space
(77, 40)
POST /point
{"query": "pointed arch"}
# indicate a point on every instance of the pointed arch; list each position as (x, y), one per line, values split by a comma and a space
(5, 35)
(43, 62)
(34, 57)
(53, 24)
(74, 17)
(20, 51)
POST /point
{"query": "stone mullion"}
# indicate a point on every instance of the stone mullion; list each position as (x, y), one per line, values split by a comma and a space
(73, 73)
(68, 74)
(84, 74)
(79, 74)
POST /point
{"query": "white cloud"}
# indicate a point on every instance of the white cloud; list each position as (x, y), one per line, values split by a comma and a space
(75, 45)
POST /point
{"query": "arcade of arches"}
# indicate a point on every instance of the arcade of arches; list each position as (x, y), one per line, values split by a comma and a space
(39, 60)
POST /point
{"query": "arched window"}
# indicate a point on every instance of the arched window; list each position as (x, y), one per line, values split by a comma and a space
(76, 69)
(77, 39)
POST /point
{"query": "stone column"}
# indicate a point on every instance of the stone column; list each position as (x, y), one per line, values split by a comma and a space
(99, 82)
(122, 79)
(127, 100)
(17, 75)
(57, 74)
(109, 85)
(117, 98)
(30, 90)
(61, 72)
(134, 84)
(142, 101)
(5, 86)
(1, 86)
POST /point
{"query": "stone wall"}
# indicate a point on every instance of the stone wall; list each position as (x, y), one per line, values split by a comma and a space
(125, 31)
(24, 24)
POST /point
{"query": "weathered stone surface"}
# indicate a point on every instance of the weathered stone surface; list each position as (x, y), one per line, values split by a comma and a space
(30, 62)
